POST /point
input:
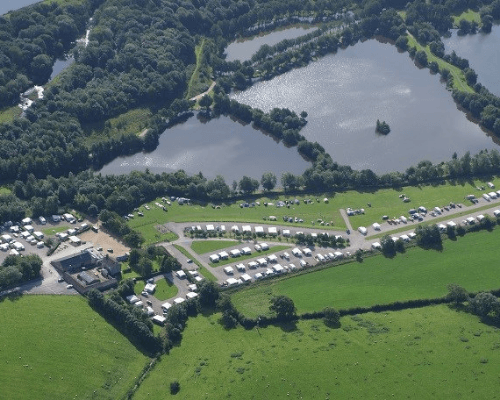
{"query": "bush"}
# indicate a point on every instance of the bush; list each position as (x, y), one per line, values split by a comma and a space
(175, 387)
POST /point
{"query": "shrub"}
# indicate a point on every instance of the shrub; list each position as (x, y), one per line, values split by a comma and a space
(175, 386)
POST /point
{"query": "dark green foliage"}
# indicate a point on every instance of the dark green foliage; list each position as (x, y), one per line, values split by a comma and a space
(131, 322)
(18, 269)
(331, 317)
(456, 293)
(429, 236)
(208, 293)
(175, 387)
(284, 308)
(382, 127)
(388, 246)
(483, 303)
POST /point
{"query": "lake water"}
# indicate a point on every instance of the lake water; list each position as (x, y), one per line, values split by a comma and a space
(11, 5)
(245, 49)
(344, 95)
(483, 52)
(219, 147)
(60, 65)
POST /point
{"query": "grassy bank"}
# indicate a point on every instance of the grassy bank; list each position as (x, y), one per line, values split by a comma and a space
(57, 347)
(469, 15)
(470, 261)
(459, 81)
(432, 352)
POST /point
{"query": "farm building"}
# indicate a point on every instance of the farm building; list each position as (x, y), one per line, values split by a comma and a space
(87, 278)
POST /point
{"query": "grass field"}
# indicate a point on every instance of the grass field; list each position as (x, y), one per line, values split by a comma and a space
(53, 230)
(469, 15)
(426, 353)
(148, 227)
(471, 261)
(207, 246)
(9, 114)
(201, 269)
(57, 347)
(383, 202)
(4, 190)
(231, 260)
(164, 289)
(459, 81)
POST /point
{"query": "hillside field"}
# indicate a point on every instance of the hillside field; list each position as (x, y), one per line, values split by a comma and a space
(433, 352)
(57, 347)
(470, 261)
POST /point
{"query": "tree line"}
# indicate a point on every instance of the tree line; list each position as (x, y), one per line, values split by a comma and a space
(16, 270)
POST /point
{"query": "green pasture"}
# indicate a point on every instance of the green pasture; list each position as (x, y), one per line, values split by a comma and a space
(469, 15)
(164, 289)
(433, 352)
(231, 260)
(207, 246)
(8, 114)
(459, 81)
(470, 261)
(149, 227)
(57, 347)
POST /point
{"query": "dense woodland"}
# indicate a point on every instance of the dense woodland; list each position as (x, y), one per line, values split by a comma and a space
(141, 53)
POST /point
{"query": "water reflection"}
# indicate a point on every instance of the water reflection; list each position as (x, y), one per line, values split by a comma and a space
(60, 65)
(218, 147)
(345, 94)
(483, 52)
(244, 50)
(11, 5)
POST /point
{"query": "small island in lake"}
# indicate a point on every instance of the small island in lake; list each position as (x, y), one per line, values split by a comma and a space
(382, 127)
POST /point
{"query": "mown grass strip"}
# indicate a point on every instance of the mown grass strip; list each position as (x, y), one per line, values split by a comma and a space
(230, 260)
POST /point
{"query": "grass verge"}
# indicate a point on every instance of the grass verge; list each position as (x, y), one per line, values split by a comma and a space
(271, 250)
(202, 270)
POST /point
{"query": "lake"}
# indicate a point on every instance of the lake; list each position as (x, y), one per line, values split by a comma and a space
(218, 147)
(344, 95)
(244, 50)
(60, 65)
(11, 5)
(483, 52)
